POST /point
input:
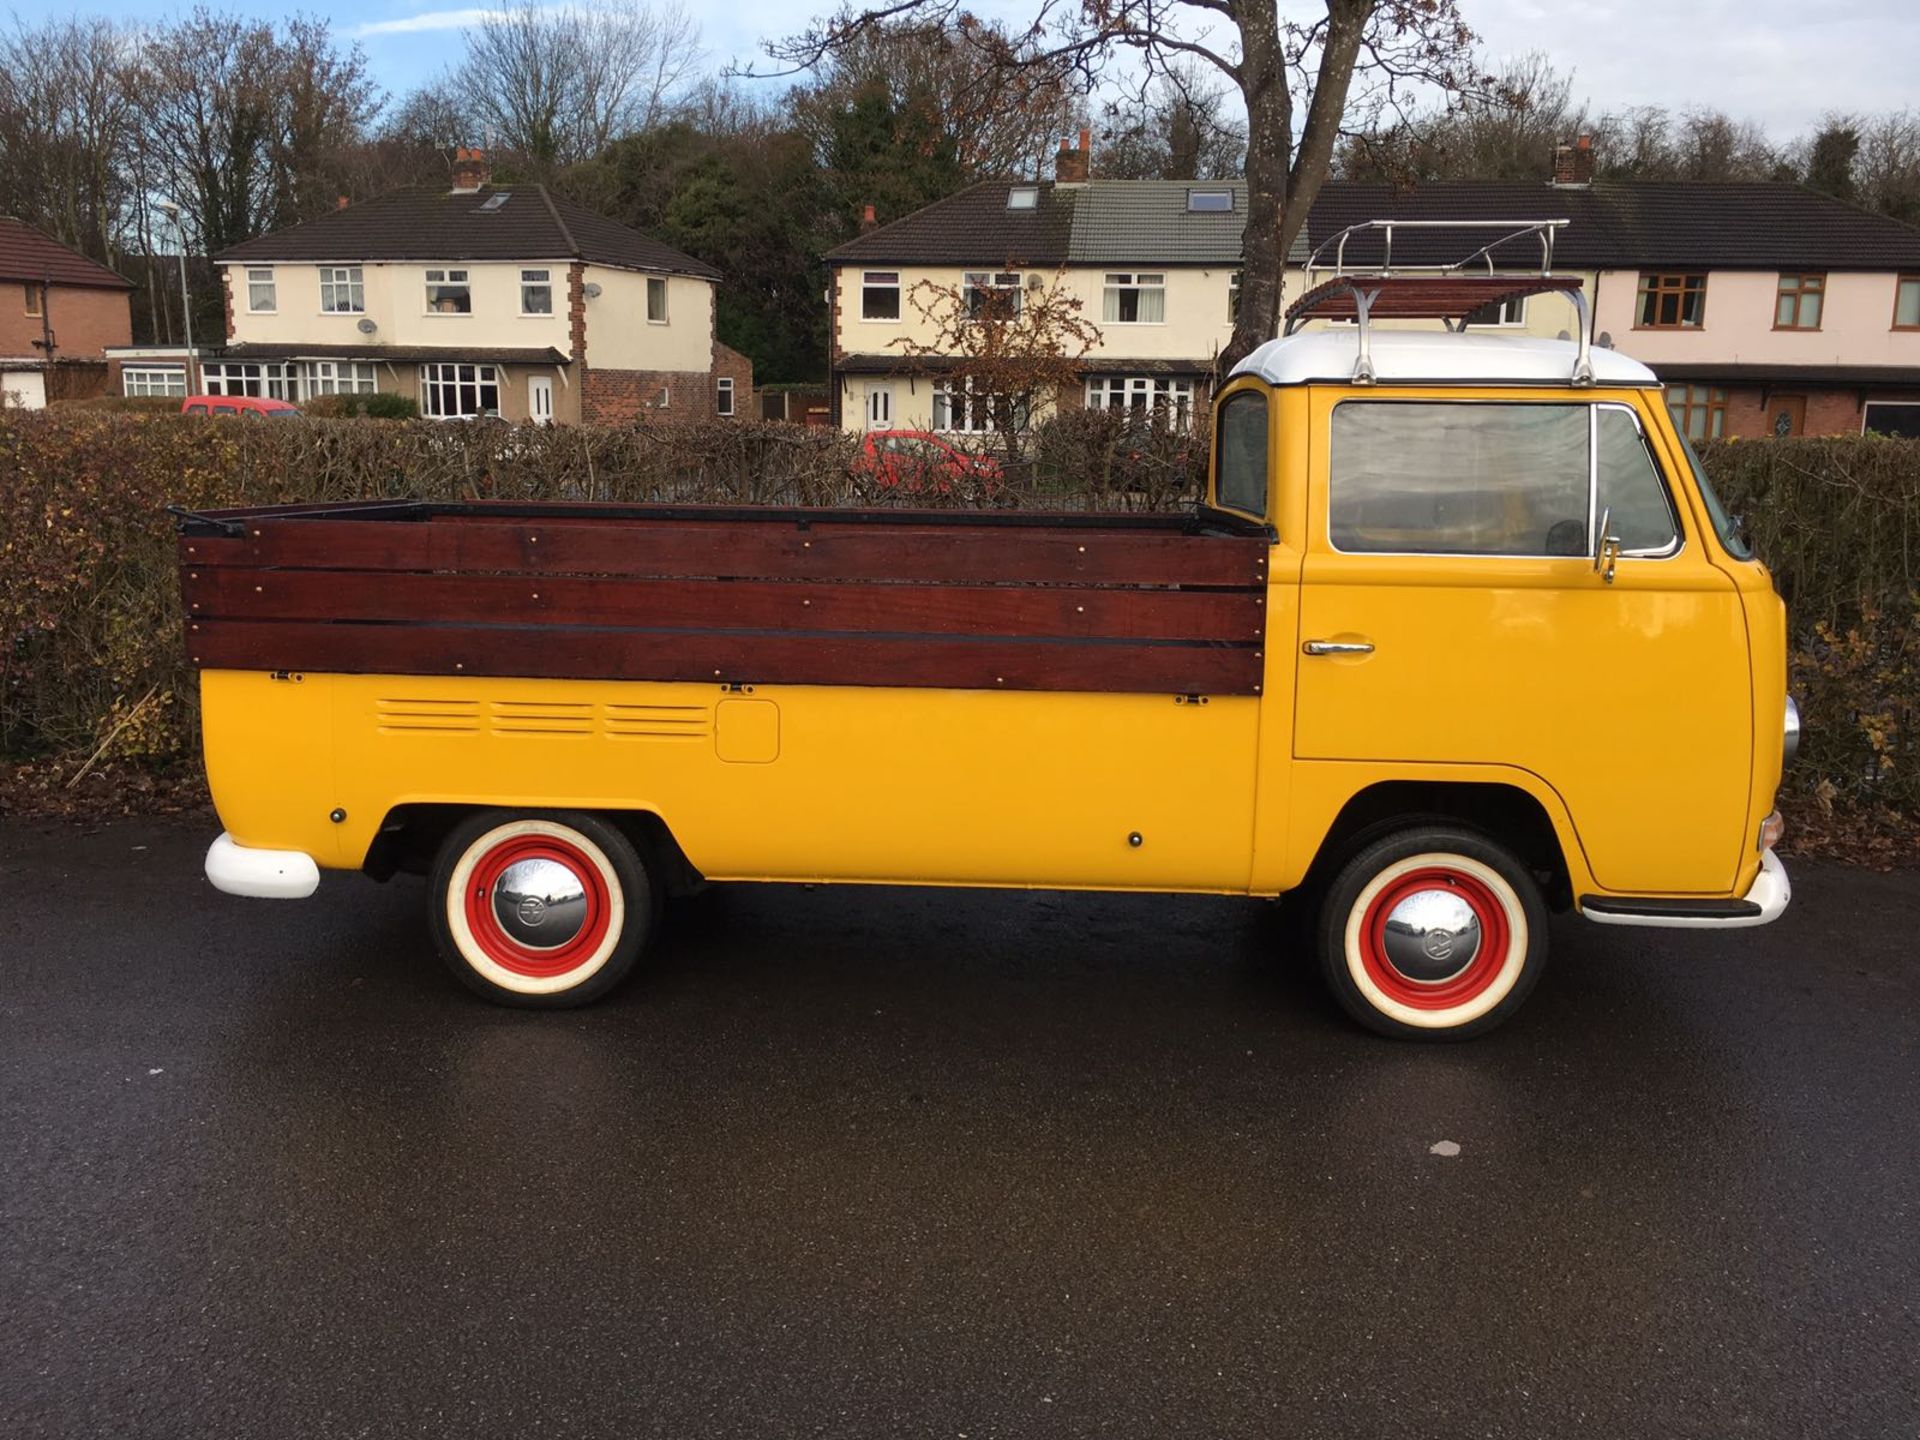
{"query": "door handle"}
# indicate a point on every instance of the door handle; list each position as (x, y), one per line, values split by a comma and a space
(1338, 647)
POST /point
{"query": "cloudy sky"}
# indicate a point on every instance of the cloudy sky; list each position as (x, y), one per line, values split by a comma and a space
(1781, 62)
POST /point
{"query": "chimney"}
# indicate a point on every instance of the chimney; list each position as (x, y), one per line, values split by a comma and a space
(341, 202)
(1070, 167)
(1573, 164)
(867, 219)
(469, 170)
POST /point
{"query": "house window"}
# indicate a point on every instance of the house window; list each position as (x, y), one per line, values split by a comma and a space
(448, 293)
(459, 392)
(1233, 298)
(1023, 197)
(998, 291)
(1906, 303)
(1204, 202)
(1671, 302)
(340, 377)
(153, 380)
(33, 297)
(656, 300)
(1699, 411)
(1508, 313)
(274, 380)
(1134, 299)
(536, 292)
(662, 398)
(342, 291)
(1797, 306)
(723, 395)
(960, 409)
(262, 298)
(880, 295)
(1165, 398)
(1900, 418)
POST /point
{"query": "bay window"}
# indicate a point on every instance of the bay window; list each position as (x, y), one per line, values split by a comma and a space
(1166, 398)
(459, 392)
(340, 377)
(272, 380)
(153, 380)
(961, 409)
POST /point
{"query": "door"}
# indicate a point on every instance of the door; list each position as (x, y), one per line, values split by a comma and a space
(1786, 415)
(879, 407)
(540, 399)
(1451, 613)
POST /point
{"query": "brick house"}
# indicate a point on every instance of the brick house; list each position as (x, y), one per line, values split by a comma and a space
(478, 299)
(59, 314)
(1766, 307)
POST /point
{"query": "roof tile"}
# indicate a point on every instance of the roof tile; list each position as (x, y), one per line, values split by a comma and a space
(27, 254)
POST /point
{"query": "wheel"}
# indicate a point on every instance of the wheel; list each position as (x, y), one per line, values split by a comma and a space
(541, 910)
(1433, 933)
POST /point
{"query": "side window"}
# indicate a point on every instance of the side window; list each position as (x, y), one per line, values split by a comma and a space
(1629, 485)
(1240, 454)
(1460, 478)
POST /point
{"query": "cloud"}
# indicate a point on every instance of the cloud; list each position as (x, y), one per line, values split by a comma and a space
(425, 21)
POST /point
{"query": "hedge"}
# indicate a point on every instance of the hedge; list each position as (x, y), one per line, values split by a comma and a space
(93, 666)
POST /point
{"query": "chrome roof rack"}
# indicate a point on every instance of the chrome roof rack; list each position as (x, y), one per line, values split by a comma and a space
(1452, 292)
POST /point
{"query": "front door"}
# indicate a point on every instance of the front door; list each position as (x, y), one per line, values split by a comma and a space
(879, 407)
(1451, 614)
(540, 399)
(1786, 415)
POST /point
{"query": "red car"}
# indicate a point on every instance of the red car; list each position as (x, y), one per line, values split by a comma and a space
(916, 460)
(249, 405)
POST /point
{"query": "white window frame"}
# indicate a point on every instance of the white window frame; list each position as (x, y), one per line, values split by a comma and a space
(258, 278)
(440, 376)
(990, 282)
(1139, 282)
(976, 412)
(343, 290)
(1210, 192)
(1119, 392)
(1518, 305)
(1884, 405)
(169, 381)
(1233, 297)
(340, 377)
(881, 280)
(442, 277)
(666, 316)
(261, 379)
(723, 397)
(528, 282)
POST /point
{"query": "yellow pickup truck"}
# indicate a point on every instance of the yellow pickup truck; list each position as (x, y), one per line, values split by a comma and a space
(1460, 637)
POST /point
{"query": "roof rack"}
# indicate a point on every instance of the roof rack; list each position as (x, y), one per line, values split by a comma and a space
(1452, 293)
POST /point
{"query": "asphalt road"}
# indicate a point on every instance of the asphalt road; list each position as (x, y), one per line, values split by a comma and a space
(903, 1164)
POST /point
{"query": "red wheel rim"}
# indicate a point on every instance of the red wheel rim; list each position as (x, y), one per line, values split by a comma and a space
(508, 953)
(1496, 938)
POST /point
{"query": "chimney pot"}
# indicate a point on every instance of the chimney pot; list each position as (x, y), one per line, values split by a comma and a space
(1573, 164)
(341, 202)
(1070, 166)
(867, 219)
(470, 171)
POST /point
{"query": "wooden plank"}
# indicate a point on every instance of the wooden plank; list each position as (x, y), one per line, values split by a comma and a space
(740, 550)
(720, 656)
(233, 592)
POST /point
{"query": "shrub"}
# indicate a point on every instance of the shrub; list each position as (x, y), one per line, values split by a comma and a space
(382, 405)
(120, 404)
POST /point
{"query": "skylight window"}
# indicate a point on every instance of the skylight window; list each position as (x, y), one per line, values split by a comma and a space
(494, 202)
(1209, 201)
(1023, 197)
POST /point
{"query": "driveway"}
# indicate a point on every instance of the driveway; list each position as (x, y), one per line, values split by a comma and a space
(912, 1163)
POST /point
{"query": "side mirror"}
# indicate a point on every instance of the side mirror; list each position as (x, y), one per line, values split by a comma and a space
(1606, 550)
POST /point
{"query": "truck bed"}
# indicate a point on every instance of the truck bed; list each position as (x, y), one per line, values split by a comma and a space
(949, 599)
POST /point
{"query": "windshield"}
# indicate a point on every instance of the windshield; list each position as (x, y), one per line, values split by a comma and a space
(1724, 524)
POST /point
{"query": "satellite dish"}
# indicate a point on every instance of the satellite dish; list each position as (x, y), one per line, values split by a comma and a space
(367, 327)
(1604, 339)
(591, 290)
(1034, 282)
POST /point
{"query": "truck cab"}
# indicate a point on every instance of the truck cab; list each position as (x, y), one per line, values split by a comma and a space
(1460, 637)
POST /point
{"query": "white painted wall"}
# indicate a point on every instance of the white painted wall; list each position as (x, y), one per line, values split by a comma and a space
(620, 337)
(396, 301)
(1856, 325)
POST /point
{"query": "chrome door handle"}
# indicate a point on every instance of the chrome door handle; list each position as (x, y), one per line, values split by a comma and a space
(1338, 647)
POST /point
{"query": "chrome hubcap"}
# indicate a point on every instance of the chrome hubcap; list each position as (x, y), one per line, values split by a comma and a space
(540, 904)
(1431, 936)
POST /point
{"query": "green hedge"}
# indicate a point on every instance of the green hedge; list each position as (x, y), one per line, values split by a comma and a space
(91, 658)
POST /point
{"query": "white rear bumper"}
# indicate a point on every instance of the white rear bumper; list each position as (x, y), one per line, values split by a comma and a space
(1770, 892)
(261, 874)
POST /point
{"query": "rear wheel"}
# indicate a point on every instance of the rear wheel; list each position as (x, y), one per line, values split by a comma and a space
(1433, 933)
(540, 909)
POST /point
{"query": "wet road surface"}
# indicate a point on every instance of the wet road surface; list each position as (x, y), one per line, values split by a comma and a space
(915, 1163)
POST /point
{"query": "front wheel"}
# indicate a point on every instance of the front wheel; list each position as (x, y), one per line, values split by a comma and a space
(1433, 933)
(540, 910)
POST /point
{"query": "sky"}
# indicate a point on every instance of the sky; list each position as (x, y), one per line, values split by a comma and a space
(1783, 63)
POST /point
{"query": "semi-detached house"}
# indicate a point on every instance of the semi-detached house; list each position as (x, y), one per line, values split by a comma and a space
(1767, 308)
(477, 299)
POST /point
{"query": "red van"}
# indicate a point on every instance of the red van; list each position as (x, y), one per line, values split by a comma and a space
(249, 405)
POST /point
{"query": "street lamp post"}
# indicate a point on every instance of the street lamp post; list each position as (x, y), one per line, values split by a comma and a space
(186, 301)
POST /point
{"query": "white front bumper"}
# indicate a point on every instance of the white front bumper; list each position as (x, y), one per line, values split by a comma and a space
(1771, 890)
(261, 874)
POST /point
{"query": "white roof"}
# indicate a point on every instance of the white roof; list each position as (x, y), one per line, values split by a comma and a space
(1411, 356)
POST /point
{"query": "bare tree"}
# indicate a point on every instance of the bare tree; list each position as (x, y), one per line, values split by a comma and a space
(1297, 80)
(557, 86)
(1182, 128)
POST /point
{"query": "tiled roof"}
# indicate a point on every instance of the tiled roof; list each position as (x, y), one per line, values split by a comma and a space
(1614, 225)
(508, 222)
(26, 254)
(395, 354)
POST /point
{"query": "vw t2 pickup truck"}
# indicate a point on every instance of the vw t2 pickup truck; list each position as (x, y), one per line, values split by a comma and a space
(1460, 638)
